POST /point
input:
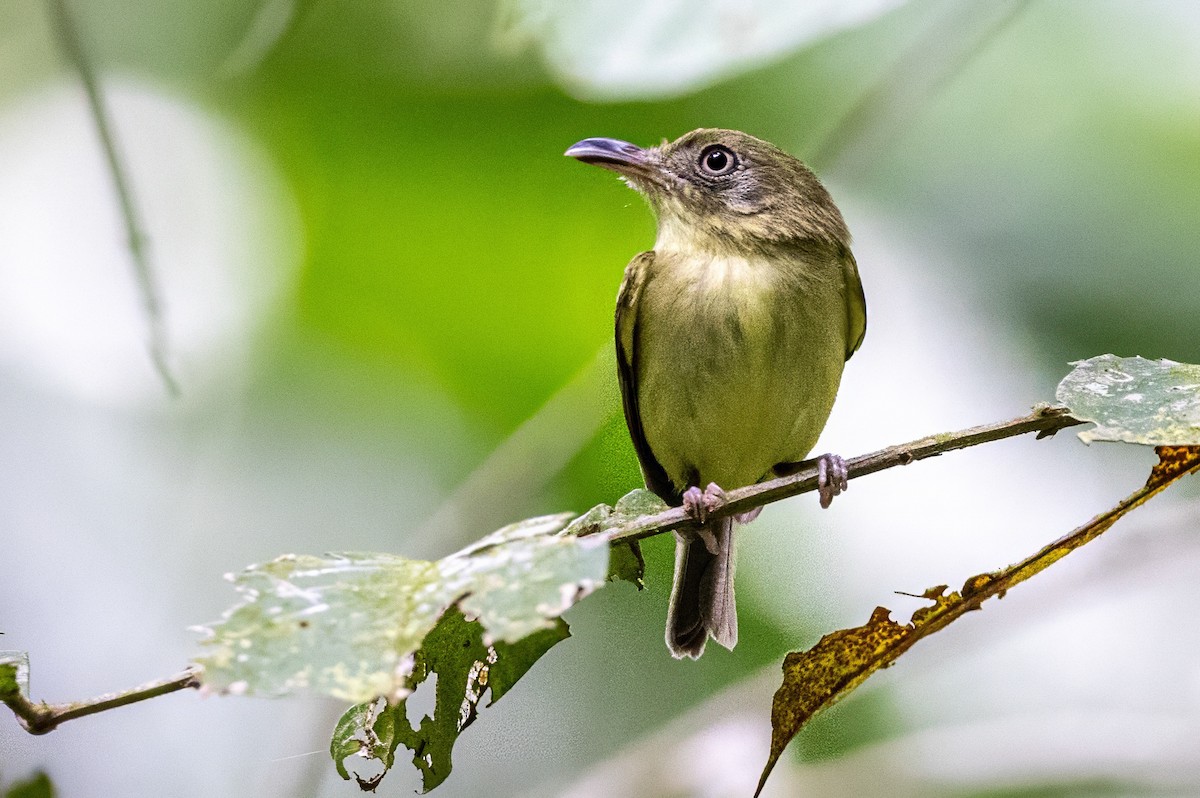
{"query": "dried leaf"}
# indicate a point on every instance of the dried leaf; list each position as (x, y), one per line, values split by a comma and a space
(815, 679)
(842, 660)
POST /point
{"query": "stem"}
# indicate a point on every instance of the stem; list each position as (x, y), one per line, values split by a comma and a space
(41, 717)
(143, 274)
(1043, 420)
(937, 56)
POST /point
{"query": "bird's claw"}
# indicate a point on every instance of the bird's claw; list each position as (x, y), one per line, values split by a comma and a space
(748, 516)
(832, 477)
(699, 505)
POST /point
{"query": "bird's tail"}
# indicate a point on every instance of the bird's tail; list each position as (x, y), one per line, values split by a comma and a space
(702, 596)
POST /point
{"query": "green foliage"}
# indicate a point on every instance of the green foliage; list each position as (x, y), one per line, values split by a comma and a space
(466, 668)
(1134, 400)
(626, 561)
(14, 674)
(38, 786)
(372, 627)
(348, 625)
(691, 49)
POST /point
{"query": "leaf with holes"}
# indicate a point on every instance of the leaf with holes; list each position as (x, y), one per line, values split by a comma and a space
(1135, 400)
(465, 667)
(349, 625)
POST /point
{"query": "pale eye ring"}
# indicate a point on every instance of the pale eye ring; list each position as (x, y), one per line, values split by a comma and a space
(717, 160)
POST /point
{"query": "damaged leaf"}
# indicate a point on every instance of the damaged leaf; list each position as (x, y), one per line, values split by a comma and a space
(843, 660)
(814, 679)
(1134, 400)
(465, 668)
(348, 625)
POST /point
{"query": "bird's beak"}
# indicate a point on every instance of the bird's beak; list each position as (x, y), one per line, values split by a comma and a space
(627, 160)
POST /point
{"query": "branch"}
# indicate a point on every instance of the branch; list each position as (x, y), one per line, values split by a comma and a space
(841, 661)
(1045, 421)
(147, 284)
(40, 718)
(938, 56)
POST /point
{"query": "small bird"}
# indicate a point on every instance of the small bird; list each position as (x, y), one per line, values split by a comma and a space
(731, 338)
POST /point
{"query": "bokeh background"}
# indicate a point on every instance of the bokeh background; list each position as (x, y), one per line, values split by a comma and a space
(388, 303)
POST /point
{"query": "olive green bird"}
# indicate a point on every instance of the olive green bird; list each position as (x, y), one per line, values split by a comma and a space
(731, 337)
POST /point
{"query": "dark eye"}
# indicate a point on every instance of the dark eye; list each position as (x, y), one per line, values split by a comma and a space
(718, 160)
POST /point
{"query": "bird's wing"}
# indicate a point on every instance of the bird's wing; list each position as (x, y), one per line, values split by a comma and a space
(636, 274)
(856, 303)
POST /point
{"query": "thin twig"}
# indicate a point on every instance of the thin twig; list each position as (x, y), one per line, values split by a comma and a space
(143, 274)
(810, 685)
(40, 718)
(927, 66)
(1044, 421)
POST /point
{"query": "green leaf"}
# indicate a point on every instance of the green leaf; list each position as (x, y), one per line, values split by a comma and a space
(637, 503)
(1131, 399)
(466, 668)
(627, 50)
(355, 735)
(349, 625)
(14, 673)
(625, 562)
(39, 786)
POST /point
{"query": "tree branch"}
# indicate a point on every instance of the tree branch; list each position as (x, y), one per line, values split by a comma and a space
(143, 274)
(40, 718)
(1045, 421)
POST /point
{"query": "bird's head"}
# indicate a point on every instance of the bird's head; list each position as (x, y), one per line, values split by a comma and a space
(723, 190)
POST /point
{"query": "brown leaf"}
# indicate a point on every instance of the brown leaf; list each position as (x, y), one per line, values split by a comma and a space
(814, 679)
(842, 660)
(1173, 462)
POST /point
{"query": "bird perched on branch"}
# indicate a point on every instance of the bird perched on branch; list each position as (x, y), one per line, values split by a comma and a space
(731, 337)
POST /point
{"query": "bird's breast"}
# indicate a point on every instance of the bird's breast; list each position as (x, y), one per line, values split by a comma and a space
(739, 360)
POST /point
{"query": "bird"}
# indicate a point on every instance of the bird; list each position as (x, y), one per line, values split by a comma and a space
(731, 338)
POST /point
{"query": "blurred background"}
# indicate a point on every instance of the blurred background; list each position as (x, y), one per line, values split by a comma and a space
(387, 300)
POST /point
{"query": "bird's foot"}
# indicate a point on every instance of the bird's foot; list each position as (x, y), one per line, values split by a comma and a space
(748, 516)
(832, 477)
(699, 505)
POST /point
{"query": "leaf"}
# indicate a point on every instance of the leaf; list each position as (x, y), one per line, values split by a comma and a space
(349, 625)
(14, 674)
(841, 661)
(633, 50)
(39, 786)
(355, 735)
(815, 679)
(625, 560)
(1134, 400)
(466, 668)
(637, 503)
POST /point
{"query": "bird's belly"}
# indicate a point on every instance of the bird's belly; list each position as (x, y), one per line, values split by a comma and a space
(739, 374)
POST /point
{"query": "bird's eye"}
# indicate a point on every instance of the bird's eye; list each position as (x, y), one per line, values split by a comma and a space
(718, 160)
